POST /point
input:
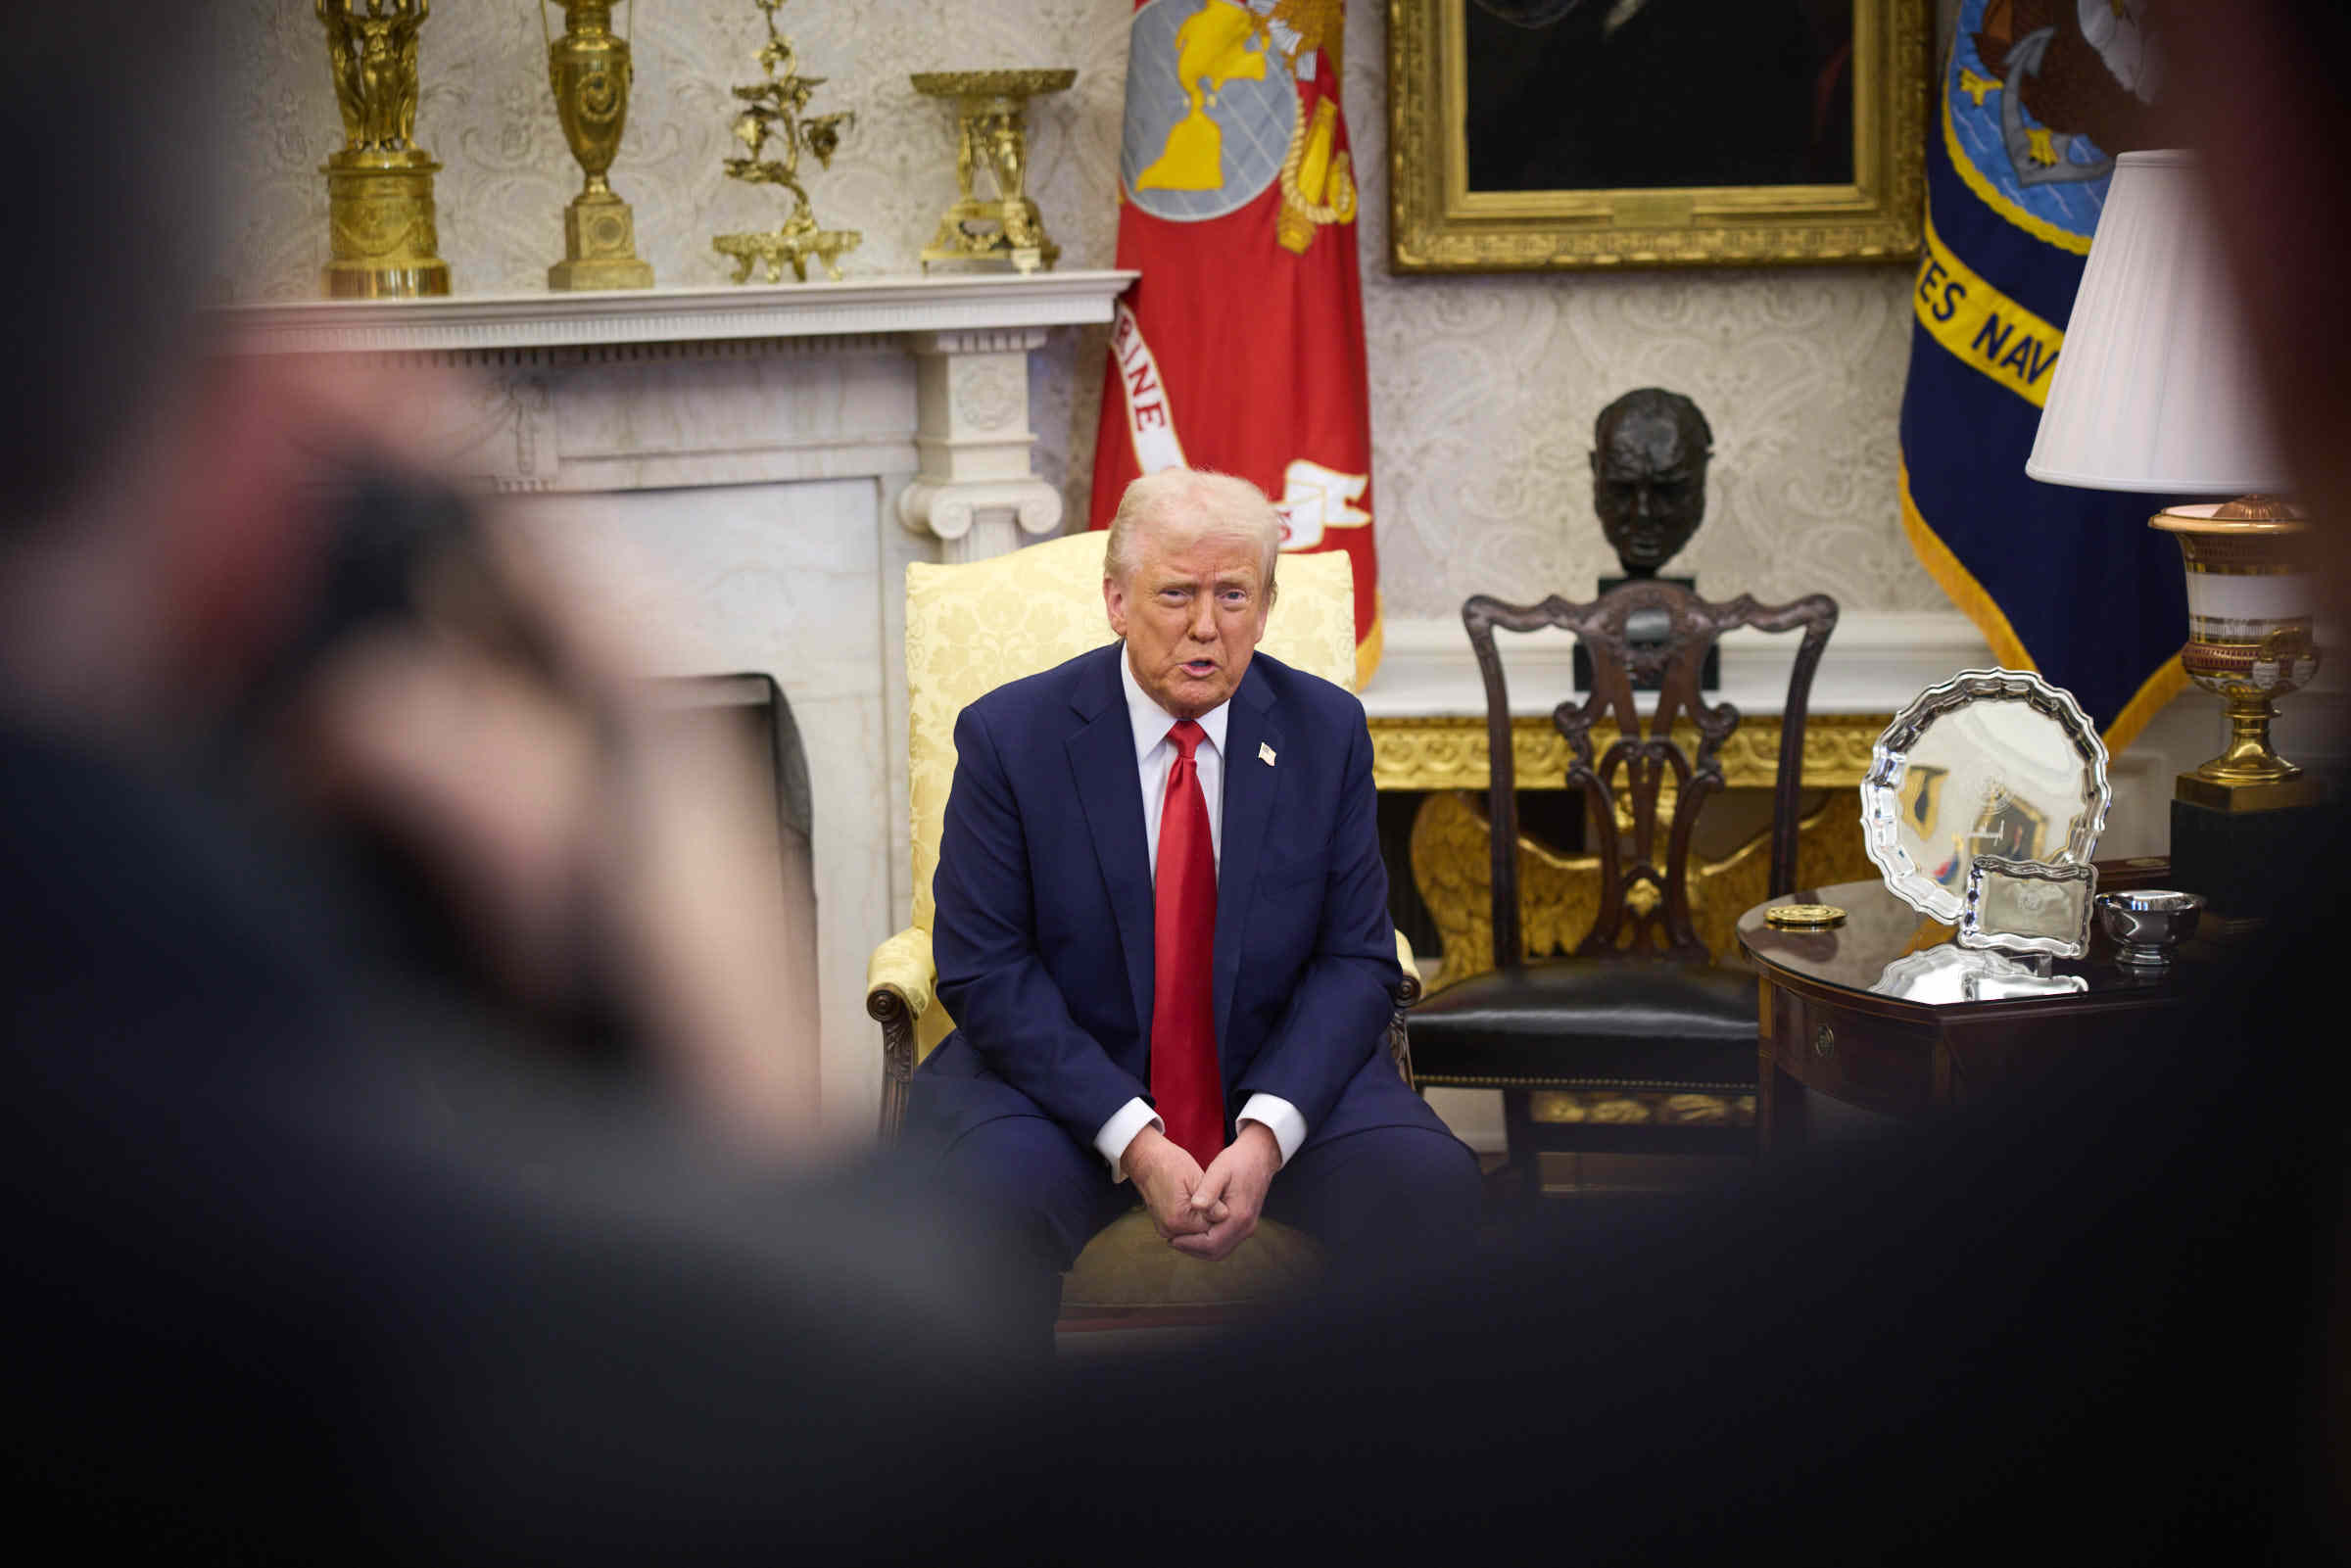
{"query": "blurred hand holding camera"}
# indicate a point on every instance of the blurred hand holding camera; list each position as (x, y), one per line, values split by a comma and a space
(430, 677)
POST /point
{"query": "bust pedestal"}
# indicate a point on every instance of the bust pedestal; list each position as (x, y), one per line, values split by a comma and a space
(1709, 675)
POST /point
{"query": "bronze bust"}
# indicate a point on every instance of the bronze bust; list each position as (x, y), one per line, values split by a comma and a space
(1649, 476)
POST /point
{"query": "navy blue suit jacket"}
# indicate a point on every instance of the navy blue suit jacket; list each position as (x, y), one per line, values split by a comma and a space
(1043, 936)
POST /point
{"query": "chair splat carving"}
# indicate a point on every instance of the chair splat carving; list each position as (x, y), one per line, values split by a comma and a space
(1646, 631)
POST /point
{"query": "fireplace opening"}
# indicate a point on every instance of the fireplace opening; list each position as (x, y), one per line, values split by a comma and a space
(749, 712)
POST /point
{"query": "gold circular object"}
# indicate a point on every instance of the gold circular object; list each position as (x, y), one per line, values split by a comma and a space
(1803, 917)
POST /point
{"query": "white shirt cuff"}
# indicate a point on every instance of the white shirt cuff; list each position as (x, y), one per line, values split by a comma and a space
(1119, 1131)
(1279, 1117)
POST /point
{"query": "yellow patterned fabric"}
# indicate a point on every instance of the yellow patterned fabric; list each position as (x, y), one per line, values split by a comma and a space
(904, 964)
(1126, 1266)
(971, 629)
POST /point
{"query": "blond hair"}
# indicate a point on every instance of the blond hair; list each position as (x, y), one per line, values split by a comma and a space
(1181, 507)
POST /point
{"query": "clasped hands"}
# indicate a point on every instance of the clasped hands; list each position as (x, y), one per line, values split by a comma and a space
(1204, 1213)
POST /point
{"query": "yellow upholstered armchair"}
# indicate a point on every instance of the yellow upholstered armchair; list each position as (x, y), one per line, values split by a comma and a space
(968, 629)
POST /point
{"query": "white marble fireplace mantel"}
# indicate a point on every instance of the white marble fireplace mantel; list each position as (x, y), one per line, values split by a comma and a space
(608, 317)
(760, 463)
(971, 488)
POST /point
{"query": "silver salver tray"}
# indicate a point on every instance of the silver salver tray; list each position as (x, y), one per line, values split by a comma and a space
(1990, 762)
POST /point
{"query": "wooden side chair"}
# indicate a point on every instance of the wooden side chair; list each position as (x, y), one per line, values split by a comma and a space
(1636, 1008)
(968, 629)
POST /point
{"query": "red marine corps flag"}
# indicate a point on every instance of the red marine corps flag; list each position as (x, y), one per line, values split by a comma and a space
(1241, 348)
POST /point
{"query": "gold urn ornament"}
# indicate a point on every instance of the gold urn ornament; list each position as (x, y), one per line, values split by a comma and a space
(382, 242)
(589, 68)
(991, 134)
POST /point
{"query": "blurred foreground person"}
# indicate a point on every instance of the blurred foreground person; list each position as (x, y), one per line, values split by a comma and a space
(397, 1154)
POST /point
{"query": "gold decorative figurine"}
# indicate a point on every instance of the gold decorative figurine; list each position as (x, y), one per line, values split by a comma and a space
(379, 188)
(589, 70)
(774, 114)
(991, 131)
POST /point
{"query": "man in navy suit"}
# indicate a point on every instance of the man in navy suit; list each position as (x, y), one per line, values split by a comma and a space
(1073, 957)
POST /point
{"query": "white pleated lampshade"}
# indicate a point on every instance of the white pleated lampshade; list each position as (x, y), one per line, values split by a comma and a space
(2154, 389)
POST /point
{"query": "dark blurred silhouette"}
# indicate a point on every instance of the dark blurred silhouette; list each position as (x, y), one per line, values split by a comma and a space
(327, 1246)
(396, 1156)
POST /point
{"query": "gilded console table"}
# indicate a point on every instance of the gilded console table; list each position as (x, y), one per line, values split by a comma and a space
(1560, 893)
(1448, 752)
(1428, 703)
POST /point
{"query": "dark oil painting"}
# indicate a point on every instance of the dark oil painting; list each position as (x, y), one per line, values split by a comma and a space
(1633, 94)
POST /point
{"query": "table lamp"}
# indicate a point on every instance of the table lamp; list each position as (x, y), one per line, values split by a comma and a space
(2155, 391)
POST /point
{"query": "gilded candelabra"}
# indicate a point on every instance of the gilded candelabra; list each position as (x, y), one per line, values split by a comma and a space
(991, 132)
(379, 188)
(774, 113)
(589, 68)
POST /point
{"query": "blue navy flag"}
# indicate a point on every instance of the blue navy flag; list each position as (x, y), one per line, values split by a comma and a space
(2035, 98)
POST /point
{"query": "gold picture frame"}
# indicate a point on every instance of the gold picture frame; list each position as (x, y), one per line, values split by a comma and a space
(1439, 225)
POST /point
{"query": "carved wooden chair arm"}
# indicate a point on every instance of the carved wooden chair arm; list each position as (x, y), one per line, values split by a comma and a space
(902, 965)
(898, 982)
(1408, 991)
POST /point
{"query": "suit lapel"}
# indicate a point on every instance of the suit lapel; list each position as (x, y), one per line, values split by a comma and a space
(1110, 792)
(1249, 790)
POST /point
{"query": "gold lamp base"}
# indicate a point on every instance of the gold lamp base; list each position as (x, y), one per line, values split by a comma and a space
(599, 246)
(2223, 794)
(2250, 602)
(2249, 776)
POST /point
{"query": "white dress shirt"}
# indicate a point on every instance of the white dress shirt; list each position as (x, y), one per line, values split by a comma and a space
(1154, 756)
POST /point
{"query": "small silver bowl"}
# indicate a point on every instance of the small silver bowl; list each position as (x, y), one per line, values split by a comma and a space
(2147, 924)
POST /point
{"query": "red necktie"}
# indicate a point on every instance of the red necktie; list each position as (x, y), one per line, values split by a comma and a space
(1185, 1078)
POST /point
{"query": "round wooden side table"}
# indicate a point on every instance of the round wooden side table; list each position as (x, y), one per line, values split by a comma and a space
(1887, 1013)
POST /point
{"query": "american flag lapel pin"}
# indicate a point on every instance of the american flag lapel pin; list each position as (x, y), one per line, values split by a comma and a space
(1265, 753)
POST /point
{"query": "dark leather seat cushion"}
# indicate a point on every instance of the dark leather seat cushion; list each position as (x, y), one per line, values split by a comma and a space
(1633, 1023)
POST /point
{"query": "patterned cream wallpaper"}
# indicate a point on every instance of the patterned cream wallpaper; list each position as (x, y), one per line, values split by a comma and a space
(1483, 388)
